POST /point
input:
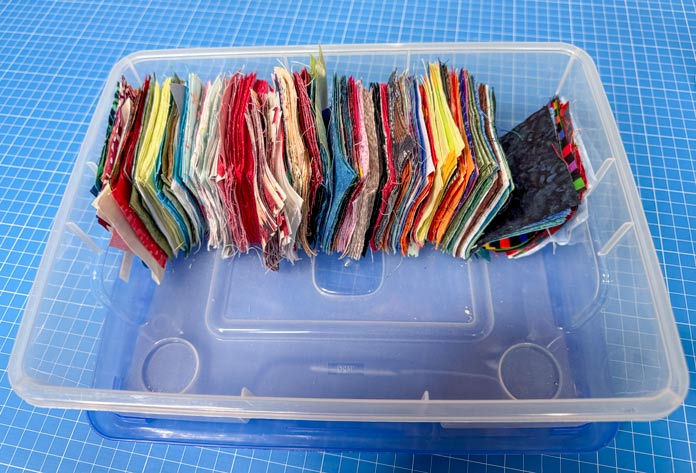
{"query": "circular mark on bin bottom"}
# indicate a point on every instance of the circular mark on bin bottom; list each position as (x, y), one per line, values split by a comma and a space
(171, 366)
(529, 371)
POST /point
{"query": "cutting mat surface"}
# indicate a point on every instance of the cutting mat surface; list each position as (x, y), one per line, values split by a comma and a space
(54, 58)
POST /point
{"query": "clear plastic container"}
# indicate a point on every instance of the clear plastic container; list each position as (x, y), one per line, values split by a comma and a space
(579, 332)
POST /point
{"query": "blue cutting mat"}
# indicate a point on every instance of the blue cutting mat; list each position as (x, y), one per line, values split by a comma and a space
(54, 58)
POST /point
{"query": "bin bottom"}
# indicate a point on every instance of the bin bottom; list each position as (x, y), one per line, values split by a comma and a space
(355, 436)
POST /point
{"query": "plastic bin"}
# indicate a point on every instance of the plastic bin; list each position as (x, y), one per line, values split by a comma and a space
(579, 332)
